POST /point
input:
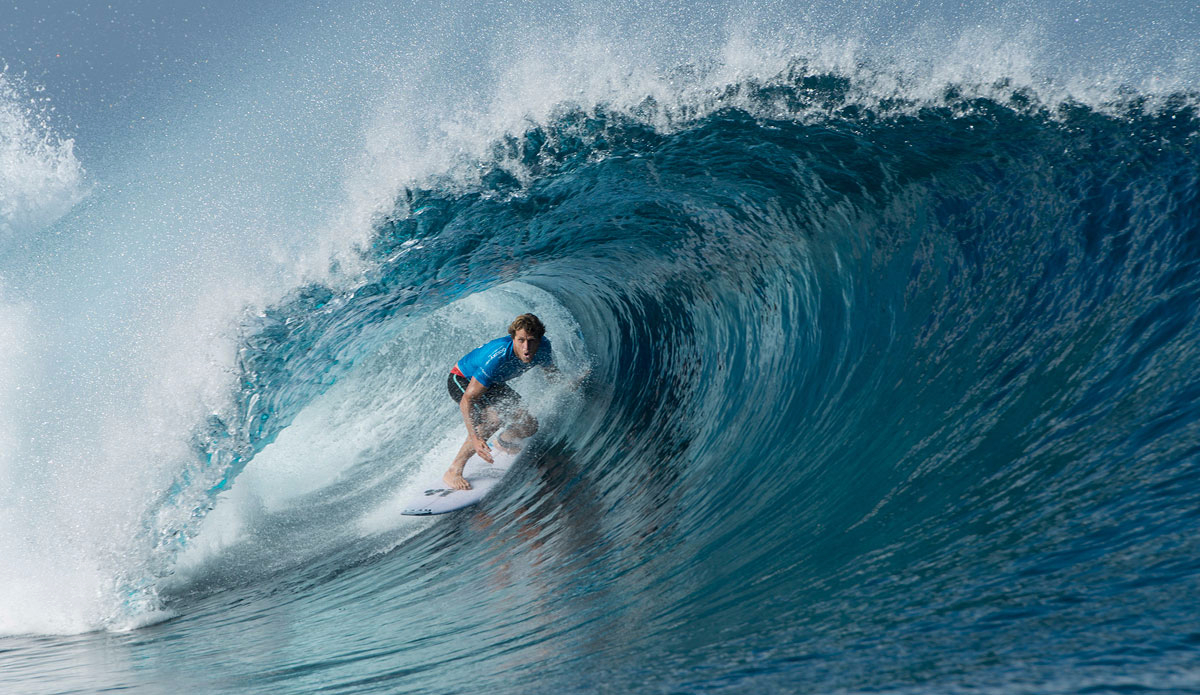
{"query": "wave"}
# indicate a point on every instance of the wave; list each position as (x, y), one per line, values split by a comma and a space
(842, 353)
(869, 360)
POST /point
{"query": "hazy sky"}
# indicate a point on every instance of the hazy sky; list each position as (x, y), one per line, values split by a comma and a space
(113, 69)
(98, 53)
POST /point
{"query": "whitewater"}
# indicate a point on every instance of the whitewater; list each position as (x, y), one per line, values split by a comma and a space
(887, 312)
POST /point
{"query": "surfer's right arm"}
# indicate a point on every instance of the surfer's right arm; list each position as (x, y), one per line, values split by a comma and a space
(474, 392)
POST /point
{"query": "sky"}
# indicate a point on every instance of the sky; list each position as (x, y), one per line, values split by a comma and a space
(112, 61)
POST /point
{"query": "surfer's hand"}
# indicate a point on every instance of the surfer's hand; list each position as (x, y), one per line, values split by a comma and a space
(481, 448)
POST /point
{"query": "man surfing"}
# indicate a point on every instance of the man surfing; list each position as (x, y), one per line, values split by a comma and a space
(477, 384)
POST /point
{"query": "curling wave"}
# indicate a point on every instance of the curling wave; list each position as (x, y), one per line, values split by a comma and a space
(864, 375)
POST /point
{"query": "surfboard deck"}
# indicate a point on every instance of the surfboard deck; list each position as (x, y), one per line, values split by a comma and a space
(435, 498)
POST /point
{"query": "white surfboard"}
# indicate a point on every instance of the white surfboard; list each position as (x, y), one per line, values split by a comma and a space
(435, 498)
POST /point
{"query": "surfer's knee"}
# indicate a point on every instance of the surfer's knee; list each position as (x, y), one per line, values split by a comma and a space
(486, 421)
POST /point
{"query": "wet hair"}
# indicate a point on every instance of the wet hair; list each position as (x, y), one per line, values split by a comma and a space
(529, 323)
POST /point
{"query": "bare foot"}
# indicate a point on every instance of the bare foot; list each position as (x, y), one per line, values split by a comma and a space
(456, 481)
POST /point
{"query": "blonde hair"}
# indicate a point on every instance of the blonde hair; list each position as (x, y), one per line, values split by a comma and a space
(528, 323)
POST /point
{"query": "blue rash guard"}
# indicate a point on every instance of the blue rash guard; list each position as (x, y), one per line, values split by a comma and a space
(495, 362)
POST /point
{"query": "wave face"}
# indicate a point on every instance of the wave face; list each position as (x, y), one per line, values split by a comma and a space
(884, 396)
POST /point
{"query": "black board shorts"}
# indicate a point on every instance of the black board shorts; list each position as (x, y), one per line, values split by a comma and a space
(498, 396)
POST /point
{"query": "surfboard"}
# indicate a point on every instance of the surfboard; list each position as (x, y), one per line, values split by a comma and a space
(435, 498)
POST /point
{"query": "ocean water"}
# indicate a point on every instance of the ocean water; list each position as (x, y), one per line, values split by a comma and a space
(888, 315)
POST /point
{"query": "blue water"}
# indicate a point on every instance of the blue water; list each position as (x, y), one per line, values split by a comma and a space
(891, 390)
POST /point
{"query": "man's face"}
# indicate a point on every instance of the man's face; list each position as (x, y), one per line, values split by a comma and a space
(525, 345)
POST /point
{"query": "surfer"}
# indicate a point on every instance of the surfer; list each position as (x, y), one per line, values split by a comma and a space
(477, 384)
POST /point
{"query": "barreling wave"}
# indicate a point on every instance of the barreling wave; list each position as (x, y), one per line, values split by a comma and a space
(862, 371)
